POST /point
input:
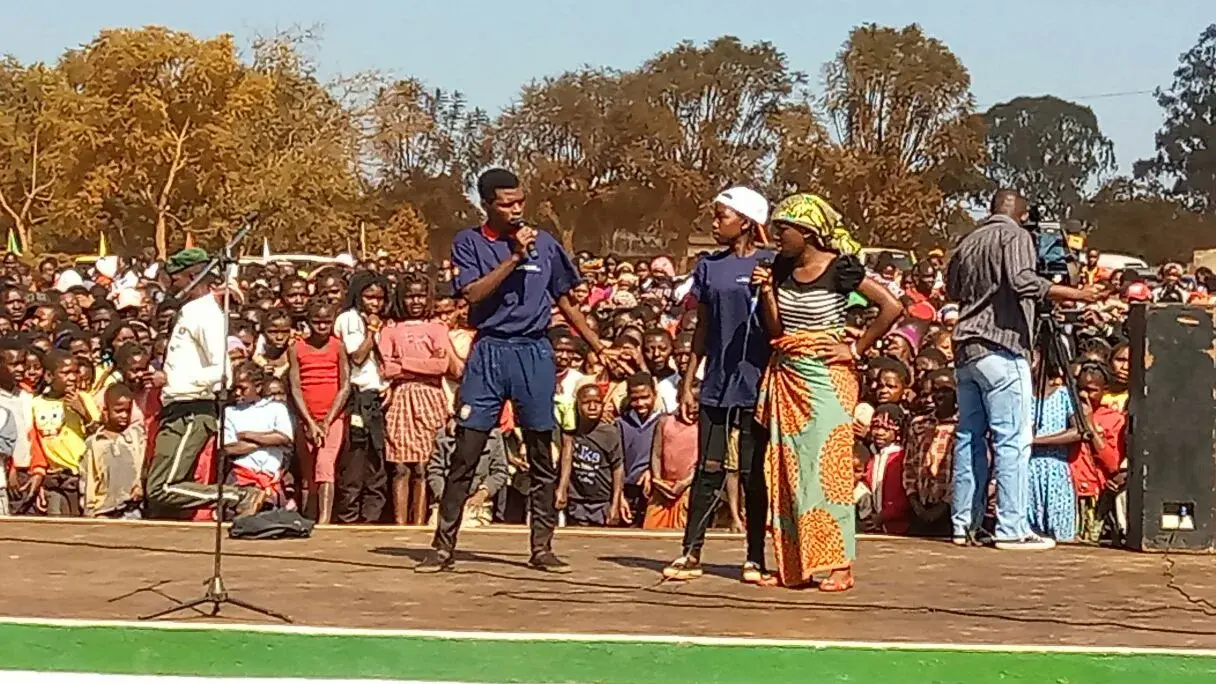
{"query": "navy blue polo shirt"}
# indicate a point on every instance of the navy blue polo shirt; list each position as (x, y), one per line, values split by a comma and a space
(732, 373)
(521, 306)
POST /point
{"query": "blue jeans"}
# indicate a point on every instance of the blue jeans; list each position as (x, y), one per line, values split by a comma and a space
(995, 406)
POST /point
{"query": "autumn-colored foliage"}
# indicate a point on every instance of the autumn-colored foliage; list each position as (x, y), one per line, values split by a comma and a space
(147, 135)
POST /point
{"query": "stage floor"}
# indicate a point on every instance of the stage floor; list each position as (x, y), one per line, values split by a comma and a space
(907, 591)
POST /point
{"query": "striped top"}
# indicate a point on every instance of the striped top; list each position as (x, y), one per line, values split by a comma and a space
(819, 305)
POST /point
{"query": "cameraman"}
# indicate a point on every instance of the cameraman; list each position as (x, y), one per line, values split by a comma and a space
(993, 277)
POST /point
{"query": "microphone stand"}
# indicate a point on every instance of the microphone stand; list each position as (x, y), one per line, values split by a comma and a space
(216, 593)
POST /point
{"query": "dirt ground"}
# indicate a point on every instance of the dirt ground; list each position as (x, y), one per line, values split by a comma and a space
(908, 590)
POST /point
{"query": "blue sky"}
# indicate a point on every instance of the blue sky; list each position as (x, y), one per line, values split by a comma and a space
(487, 48)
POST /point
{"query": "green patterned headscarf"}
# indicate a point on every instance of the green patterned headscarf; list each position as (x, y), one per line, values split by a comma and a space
(813, 214)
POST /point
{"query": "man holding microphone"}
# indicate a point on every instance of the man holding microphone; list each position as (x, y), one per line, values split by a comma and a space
(993, 276)
(511, 275)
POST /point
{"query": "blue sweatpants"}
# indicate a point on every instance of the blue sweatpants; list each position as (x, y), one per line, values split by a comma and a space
(520, 369)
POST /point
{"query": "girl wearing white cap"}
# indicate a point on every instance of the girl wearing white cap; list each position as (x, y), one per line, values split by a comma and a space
(734, 347)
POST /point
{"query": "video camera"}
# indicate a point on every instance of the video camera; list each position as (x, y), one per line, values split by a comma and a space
(1056, 260)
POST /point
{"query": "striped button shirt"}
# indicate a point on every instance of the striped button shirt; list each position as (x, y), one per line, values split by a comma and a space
(993, 278)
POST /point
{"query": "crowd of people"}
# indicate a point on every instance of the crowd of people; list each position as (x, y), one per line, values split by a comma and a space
(398, 392)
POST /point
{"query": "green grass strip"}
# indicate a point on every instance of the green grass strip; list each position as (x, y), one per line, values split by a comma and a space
(119, 650)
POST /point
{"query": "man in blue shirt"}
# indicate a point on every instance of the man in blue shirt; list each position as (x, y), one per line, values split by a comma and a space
(511, 276)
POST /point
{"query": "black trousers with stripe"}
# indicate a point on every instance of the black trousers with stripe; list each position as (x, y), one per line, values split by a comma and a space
(184, 430)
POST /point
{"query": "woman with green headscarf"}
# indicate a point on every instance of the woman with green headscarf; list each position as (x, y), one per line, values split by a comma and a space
(810, 388)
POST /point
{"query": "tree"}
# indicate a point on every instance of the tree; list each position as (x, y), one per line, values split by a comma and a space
(293, 157)
(32, 143)
(424, 147)
(153, 145)
(710, 120)
(900, 108)
(404, 235)
(1049, 148)
(564, 137)
(1186, 158)
(1136, 217)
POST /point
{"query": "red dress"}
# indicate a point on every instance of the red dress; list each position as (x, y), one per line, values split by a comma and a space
(319, 371)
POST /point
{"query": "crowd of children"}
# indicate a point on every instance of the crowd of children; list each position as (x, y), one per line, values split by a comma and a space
(345, 383)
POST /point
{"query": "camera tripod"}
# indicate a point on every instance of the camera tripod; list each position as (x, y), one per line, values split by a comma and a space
(1053, 348)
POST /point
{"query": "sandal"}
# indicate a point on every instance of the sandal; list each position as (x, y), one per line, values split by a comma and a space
(831, 585)
(753, 574)
(683, 569)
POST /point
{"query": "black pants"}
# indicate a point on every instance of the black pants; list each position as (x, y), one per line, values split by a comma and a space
(362, 482)
(541, 497)
(362, 486)
(708, 482)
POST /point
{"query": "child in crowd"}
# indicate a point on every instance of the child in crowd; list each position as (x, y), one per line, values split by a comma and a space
(1097, 466)
(272, 358)
(681, 356)
(319, 387)
(591, 487)
(417, 354)
(362, 480)
(62, 418)
(886, 468)
(489, 477)
(673, 461)
(891, 382)
(656, 352)
(1115, 396)
(257, 434)
(614, 378)
(569, 354)
(31, 379)
(17, 404)
(1052, 505)
(929, 456)
(637, 426)
(112, 467)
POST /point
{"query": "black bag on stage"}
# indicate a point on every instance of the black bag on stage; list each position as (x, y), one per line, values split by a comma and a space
(274, 524)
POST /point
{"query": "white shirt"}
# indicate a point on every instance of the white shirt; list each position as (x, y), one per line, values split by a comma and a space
(350, 328)
(198, 352)
(266, 415)
(21, 407)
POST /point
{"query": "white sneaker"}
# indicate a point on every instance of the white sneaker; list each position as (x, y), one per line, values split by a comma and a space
(1032, 543)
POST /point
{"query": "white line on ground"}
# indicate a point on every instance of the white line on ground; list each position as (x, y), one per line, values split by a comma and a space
(19, 677)
(608, 638)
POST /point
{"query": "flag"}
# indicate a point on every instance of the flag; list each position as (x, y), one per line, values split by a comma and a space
(102, 249)
(189, 240)
(14, 247)
(362, 240)
(265, 249)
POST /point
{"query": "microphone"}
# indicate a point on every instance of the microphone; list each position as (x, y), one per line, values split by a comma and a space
(767, 262)
(532, 253)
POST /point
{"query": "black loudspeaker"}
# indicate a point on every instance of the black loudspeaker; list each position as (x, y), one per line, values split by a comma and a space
(1171, 483)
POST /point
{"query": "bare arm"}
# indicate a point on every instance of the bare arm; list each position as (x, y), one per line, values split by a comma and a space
(770, 316)
(567, 467)
(361, 353)
(294, 393)
(656, 451)
(570, 310)
(339, 405)
(889, 311)
(266, 439)
(698, 349)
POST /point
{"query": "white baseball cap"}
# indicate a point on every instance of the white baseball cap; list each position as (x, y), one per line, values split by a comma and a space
(68, 279)
(128, 299)
(746, 202)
